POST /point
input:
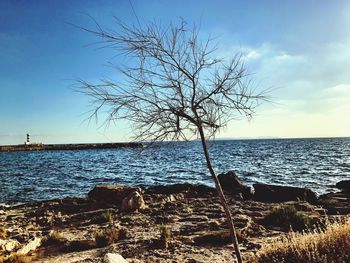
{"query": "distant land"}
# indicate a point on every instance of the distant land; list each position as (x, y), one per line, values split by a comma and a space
(276, 138)
(84, 146)
(78, 146)
(249, 138)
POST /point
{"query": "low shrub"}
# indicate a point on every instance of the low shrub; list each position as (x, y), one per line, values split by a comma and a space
(108, 236)
(107, 216)
(78, 245)
(55, 238)
(329, 244)
(288, 217)
(217, 238)
(104, 217)
(57, 241)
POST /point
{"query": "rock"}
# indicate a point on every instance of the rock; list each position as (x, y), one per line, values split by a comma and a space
(188, 189)
(30, 246)
(132, 202)
(113, 258)
(231, 183)
(9, 245)
(344, 185)
(195, 218)
(247, 192)
(277, 193)
(170, 198)
(111, 194)
(135, 260)
(336, 203)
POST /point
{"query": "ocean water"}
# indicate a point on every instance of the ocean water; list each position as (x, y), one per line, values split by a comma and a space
(314, 163)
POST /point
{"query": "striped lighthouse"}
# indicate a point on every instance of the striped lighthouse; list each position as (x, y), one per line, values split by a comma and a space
(28, 138)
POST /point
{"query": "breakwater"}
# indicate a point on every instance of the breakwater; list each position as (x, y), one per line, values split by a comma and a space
(80, 146)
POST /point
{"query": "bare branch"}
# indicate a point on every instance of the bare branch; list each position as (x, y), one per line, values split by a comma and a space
(174, 85)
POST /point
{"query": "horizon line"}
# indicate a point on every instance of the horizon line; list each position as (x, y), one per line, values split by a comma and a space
(212, 139)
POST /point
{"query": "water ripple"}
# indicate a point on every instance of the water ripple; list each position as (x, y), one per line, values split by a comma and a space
(314, 163)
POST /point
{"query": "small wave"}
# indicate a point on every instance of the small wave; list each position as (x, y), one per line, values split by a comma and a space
(248, 174)
(307, 162)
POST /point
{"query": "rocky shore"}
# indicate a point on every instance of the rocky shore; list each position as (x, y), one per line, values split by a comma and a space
(177, 223)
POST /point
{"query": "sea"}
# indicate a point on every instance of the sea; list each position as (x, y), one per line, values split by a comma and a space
(313, 163)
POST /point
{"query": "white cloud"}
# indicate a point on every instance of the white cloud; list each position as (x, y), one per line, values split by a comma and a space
(253, 54)
(341, 90)
(312, 92)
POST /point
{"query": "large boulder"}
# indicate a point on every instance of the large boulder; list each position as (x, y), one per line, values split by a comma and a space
(132, 202)
(129, 198)
(343, 185)
(231, 183)
(336, 203)
(188, 189)
(277, 193)
(113, 258)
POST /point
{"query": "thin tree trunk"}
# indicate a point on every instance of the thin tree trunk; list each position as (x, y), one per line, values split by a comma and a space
(222, 197)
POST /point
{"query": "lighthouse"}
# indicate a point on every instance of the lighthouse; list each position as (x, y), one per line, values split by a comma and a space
(28, 139)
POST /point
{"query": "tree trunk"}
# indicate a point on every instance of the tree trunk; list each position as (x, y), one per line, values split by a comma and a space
(222, 197)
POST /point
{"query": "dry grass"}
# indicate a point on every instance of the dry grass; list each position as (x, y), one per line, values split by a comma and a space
(107, 216)
(17, 258)
(165, 236)
(164, 240)
(329, 245)
(55, 238)
(3, 232)
(108, 236)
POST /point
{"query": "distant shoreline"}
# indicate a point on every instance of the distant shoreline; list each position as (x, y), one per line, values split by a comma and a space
(136, 144)
(63, 147)
(278, 138)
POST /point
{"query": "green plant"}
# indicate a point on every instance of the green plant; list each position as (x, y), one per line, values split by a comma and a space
(107, 216)
(216, 238)
(55, 237)
(329, 244)
(104, 217)
(288, 216)
(108, 236)
(78, 245)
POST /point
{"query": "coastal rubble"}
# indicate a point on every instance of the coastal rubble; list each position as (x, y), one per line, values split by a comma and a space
(177, 223)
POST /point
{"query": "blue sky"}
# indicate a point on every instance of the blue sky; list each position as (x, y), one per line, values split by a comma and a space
(299, 48)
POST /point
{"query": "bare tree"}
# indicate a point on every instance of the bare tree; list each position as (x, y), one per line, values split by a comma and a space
(174, 88)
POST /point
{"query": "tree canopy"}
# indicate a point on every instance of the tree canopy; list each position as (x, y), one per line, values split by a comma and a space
(172, 83)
